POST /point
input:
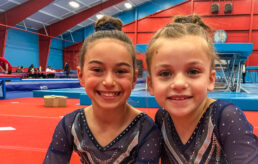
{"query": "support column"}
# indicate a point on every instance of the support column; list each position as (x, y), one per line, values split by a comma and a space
(3, 35)
(44, 47)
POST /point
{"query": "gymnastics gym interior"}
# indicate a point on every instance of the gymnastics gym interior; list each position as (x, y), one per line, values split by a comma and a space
(51, 33)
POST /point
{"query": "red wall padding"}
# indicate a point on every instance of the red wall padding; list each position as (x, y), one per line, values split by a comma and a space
(241, 25)
(71, 55)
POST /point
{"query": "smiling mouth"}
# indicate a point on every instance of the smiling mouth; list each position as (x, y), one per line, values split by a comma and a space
(108, 93)
(179, 98)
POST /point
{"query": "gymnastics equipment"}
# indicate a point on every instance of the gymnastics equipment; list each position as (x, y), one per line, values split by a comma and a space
(229, 70)
(3, 79)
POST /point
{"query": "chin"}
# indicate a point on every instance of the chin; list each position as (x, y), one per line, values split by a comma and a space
(110, 106)
(178, 112)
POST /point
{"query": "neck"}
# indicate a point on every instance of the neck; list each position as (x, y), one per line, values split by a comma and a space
(191, 118)
(114, 117)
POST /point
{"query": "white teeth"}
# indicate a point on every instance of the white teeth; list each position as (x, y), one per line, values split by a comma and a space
(108, 94)
(178, 98)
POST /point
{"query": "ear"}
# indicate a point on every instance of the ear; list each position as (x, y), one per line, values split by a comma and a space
(150, 85)
(80, 76)
(212, 79)
(135, 79)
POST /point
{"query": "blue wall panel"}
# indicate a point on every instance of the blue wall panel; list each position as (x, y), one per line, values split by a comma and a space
(128, 16)
(55, 58)
(147, 9)
(78, 35)
(21, 48)
(88, 30)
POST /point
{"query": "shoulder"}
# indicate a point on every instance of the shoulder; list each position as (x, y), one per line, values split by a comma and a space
(224, 109)
(230, 119)
(221, 104)
(235, 133)
(145, 119)
(140, 116)
(220, 108)
(148, 130)
(69, 118)
(147, 123)
(160, 116)
(72, 114)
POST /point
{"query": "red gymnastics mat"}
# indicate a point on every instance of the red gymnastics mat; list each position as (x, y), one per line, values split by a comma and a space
(9, 75)
(34, 125)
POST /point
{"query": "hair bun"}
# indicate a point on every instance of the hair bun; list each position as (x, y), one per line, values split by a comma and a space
(108, 23)
(181, 19)
(194, 19)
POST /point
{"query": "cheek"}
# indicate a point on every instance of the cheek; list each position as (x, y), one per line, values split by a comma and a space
(126, 82)
(90, 85)
(90, 81)
(159, 88)
(199, 89)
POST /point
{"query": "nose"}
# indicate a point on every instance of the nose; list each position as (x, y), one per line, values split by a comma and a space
(179, 82)
(109, 80)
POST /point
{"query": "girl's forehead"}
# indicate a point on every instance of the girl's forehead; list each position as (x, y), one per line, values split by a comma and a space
(181, 48)
(189, 39)
(108, 51)
(187, 44)
(105, 40)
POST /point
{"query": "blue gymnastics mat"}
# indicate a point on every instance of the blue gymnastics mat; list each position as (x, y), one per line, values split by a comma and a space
(41, 84)
(141, 98)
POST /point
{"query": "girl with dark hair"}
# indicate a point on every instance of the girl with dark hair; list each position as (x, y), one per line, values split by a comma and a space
(110, 130)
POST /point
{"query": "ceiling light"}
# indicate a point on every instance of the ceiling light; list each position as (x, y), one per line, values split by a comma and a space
(99, 16)
(128, 5)
(74, 4)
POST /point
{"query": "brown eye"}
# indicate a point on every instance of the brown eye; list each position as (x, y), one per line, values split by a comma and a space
(193, 72)
(96, 70)
(165, 74)
(121, 71)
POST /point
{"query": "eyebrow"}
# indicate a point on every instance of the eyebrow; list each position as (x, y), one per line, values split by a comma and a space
(95, 61)
(124, 63)
(195, 63)
(119, 64)
(168, 65)
(163, 65)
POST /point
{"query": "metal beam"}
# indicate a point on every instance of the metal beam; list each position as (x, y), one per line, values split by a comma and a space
(46, 13)
(4, 3)
(37, 21)
(17, 3)
(19, 13)
(87, 5)
(61, 26)
(80, 25)
(92, 20)
(117, 8)
(133, 4)
(69, 11)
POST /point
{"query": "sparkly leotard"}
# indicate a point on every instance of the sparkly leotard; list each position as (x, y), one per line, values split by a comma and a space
(223, 135)
(140, 142)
